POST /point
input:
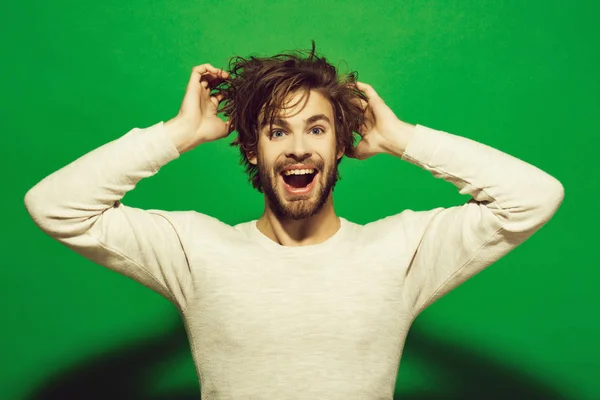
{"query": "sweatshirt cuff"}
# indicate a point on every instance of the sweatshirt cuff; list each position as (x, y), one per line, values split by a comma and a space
(420, 150)
(157, 146)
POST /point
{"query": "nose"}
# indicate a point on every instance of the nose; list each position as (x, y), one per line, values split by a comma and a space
(299, 147)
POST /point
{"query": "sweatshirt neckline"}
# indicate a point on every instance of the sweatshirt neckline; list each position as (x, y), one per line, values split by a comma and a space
(269, 244)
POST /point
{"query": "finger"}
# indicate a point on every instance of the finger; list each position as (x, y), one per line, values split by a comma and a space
(212, 80)
(215, 74)
(360, 103)
(202, 69)
(216, 99)
(365, 87)
(215, 78)
(368, 89)
(363, 104)
(207, 72)
(361, 130)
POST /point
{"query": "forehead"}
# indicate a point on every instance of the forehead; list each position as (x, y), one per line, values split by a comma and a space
(301, 105)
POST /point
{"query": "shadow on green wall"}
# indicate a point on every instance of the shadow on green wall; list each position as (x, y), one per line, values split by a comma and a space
(123, 372)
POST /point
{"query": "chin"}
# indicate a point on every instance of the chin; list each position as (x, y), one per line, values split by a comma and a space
(291, 206)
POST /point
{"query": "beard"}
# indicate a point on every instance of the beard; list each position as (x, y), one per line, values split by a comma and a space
(300, 208)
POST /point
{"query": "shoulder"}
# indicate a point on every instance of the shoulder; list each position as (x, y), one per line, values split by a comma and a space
(405, 222)
(196, 226)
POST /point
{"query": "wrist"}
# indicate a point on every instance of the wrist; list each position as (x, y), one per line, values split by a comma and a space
(181, 134)
(403, 133)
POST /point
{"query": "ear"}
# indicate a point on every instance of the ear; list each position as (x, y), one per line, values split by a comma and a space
(341, 153)
(252, 158)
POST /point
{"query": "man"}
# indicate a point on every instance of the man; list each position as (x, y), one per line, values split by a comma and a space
(300, 303)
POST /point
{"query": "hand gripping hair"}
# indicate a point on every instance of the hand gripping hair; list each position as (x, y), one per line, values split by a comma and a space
(257, 89)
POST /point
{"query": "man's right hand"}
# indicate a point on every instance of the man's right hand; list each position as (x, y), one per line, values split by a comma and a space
(197, 121)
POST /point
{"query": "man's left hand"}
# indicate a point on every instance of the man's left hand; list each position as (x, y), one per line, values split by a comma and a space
(382, 131)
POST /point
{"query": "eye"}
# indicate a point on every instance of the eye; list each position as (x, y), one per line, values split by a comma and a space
(275, 131)
(319, 130)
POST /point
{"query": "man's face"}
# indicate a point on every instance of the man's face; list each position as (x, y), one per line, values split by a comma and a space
(302, 136)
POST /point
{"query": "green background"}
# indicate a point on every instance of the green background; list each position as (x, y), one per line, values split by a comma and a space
(519, 76)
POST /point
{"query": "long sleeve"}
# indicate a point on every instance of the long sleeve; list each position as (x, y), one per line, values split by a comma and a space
(80, 206)
(511, 200)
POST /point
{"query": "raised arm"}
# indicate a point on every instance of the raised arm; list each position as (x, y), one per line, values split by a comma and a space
(80, 204)
(511, 200)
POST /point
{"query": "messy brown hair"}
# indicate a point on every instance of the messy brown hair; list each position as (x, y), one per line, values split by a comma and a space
(258, 87)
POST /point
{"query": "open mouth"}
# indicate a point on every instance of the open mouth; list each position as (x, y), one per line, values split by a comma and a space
(299, 181)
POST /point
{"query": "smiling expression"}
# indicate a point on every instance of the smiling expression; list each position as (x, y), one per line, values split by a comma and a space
(302, 136)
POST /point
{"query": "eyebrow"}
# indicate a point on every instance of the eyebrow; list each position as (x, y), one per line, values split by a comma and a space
(310, 120)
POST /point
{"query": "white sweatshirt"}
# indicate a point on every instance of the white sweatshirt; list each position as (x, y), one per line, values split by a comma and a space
(325, 321)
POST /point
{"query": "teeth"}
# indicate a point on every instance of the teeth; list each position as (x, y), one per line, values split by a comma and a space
(299, 171)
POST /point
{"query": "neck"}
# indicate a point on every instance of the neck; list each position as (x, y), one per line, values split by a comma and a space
(308, 231)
